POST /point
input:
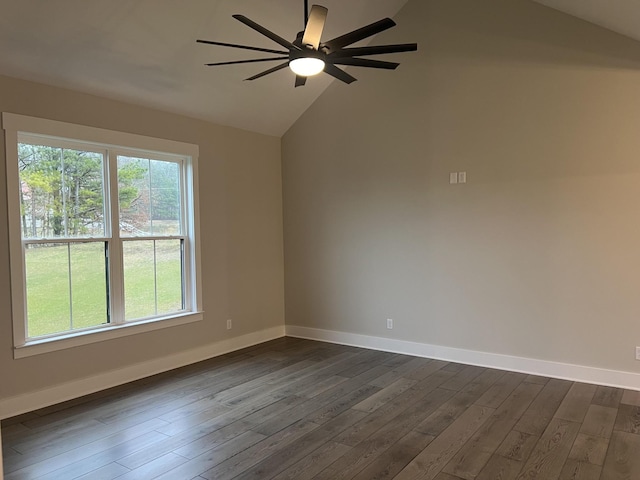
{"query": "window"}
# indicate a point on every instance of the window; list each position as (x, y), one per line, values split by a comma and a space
(103, 233)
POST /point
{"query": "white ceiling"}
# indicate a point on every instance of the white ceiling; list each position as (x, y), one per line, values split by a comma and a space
(144, 51)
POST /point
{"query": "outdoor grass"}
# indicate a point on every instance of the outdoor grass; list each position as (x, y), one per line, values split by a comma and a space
(53, 270)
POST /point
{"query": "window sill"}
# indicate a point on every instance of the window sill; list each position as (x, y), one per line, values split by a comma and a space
(46, 345)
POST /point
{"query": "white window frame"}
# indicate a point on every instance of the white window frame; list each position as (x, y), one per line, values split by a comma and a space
(118, 143)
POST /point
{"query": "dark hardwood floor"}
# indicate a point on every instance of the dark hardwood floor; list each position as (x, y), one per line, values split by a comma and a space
(297, 409)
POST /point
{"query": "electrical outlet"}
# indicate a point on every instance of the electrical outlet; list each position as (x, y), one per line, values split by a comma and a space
(453, 178)
(390, 323)
(462, 177)
(229, 325)
(637, 353)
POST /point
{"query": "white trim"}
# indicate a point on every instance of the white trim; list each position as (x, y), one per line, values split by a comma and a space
(115, 143)
(16, 251)
(565, 371)
(28, 402)
(192, 203)
(54, 128)
(101, 334)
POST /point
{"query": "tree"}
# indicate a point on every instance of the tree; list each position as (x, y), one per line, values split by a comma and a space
(62, 191)
(149, 195)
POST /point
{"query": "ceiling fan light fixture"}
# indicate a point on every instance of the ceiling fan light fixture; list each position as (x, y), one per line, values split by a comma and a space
(306, 66)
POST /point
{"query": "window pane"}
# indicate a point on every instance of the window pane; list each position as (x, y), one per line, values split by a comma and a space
(66, 287)
(139, 279)
(149, 197)
(165, 197)
(61, 192)
(88, 285)
(169, 275)
(48, 300)
(134, 196)
(152, 278)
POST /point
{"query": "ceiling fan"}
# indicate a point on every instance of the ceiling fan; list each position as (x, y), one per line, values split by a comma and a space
(307, 55)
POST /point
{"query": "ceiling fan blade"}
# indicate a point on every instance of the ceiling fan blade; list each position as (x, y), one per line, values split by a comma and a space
(256, 60)
(375, 50)
(245, 47)
(267, 33)
(359, 34)
(365, 62)
(338, 73)
(315, 26)
(267, 72)
(300, 80)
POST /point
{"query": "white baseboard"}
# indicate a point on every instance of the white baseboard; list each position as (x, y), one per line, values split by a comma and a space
(28, 402)
(565, 371)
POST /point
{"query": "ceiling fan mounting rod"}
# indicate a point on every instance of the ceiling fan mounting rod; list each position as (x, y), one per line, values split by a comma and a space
(306, 11)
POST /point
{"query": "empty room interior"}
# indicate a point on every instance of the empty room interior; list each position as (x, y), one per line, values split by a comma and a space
(432, 272)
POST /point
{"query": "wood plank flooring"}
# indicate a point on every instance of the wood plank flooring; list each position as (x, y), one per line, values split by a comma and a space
(298, 409)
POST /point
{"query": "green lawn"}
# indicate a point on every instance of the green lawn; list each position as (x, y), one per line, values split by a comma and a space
(51, 309)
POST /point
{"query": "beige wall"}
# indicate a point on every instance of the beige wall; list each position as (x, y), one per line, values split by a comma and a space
(241, 237)
(538, 255)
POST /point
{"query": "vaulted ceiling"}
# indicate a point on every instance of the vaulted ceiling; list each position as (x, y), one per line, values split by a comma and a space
(144, 52)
